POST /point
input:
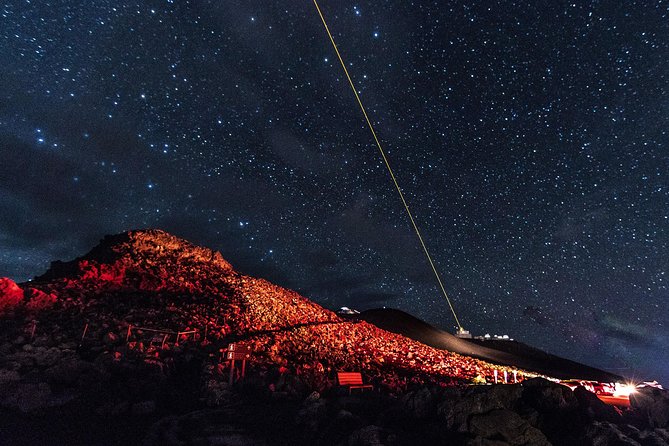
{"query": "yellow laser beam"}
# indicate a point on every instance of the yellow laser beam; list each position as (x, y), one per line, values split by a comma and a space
(387, 163)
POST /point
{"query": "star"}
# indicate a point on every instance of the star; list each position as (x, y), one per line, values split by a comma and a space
(537, 172)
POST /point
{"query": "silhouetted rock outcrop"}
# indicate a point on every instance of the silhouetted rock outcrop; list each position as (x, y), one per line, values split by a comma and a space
(653, 404)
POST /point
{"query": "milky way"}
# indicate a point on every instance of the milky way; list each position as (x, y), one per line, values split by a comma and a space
(531, 142)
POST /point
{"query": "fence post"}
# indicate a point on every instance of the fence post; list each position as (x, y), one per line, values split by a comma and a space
(32, 332)
(84, 334)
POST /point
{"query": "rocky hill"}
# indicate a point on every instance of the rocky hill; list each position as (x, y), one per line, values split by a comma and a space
(123, 345)
(508, 352)
(153, 280)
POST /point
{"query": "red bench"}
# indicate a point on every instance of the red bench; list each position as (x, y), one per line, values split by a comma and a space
(352, 380)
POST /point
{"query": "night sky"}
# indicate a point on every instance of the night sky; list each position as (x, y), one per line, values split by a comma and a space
(530, 140)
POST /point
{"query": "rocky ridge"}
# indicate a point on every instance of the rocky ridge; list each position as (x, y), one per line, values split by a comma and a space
(131, 332)
(154, 280)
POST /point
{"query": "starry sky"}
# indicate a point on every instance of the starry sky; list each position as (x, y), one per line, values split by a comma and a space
(530, 139)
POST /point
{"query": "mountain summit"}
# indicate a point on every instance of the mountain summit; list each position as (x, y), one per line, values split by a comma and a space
(148, 281)
(137, 251)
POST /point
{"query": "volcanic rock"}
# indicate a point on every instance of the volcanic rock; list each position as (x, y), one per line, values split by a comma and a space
(653, 404)
(206, 428)
(504, 425)
(38, 300)
(546, 396)
(421, 403)
(458, 407)
(651, 439)
(593, 408)
(607, 434)
(26, 397)
(143, 408)
(662, 433)
(367, 436)
(10, 295)
(311, 415)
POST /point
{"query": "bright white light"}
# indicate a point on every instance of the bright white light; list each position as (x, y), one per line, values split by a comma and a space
(624, 389)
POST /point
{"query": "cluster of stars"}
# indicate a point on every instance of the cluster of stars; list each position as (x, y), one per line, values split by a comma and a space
(530, 141)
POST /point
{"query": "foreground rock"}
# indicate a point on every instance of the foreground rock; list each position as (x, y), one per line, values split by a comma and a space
(506, 426)
(653, 405)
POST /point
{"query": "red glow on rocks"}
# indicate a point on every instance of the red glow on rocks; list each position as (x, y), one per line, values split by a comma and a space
(10, 294)
(38, 300)
(90, 270)
(145, 290)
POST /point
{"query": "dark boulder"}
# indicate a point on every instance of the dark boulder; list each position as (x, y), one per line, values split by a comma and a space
(26, 397)
(653, 405)
(662, 433)
(458, 408)
(420, 404)
(71, 373)
(546, 396)
(602, 433)
(203, 427)
(504, 425)
(594, 408)
(368, 436)
(651, 439)
(312, 415)
(38, 300)
(144, 407)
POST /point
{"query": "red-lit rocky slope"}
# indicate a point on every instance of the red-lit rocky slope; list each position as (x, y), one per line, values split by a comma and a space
(151, 279)
(507, 352)
(89, 355)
